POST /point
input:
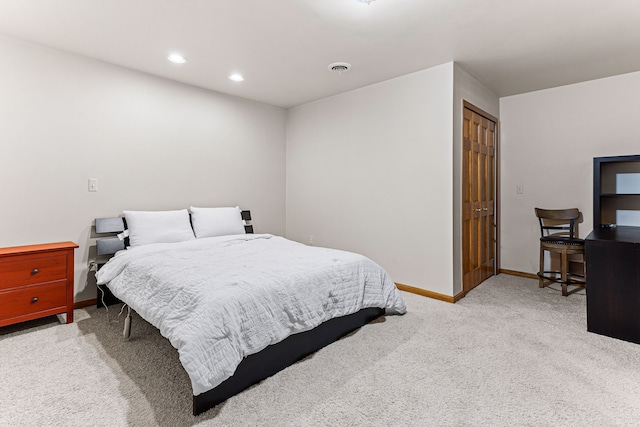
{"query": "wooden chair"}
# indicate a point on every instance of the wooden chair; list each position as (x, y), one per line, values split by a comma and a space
(559, 234)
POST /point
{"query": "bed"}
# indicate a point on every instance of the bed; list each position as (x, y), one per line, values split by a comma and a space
(238, 306)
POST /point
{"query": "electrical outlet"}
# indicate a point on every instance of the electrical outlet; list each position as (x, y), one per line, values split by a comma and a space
(519, 189)
(310, 240)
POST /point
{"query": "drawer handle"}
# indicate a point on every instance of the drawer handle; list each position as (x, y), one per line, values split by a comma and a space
(35, 299)
(35, 271)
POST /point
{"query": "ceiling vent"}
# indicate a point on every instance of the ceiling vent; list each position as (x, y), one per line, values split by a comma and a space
(339, 67)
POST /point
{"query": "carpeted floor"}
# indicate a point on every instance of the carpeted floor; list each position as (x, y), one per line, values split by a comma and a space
(508, 354)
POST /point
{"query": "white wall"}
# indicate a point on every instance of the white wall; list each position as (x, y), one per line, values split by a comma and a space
(549, 139)
(465, 88)
(370, 171)
(152, 143)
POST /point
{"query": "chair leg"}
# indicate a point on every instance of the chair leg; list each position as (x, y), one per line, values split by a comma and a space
(563, 269)
(540, 279)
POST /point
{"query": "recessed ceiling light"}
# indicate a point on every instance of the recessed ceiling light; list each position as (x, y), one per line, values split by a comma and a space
(176, 58)
(236, 77)
(365, 1)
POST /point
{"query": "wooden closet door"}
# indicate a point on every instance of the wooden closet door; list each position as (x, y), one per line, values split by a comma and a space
(478, 199)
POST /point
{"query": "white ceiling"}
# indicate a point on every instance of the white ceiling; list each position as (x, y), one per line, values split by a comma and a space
(283, 47)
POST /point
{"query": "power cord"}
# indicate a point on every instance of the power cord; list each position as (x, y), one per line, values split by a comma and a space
(103, 303)
(126, 332)
(93, 266)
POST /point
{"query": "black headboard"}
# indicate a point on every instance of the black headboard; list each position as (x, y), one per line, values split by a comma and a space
(112, 244)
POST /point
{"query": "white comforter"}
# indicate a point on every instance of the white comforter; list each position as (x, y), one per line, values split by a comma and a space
(221, 299)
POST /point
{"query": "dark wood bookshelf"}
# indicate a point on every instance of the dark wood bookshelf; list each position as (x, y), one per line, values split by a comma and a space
(607, 200)
(613, 250)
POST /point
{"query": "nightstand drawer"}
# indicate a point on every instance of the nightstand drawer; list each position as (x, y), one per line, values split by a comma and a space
(33, 299)
(33, 269)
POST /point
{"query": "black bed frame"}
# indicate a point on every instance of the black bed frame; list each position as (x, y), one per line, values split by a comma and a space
(258, 366)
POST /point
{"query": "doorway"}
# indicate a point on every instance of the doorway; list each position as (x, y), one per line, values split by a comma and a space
(479, 203)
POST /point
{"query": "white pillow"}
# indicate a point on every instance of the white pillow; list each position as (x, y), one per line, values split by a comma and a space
(147, 227)
(212, 222)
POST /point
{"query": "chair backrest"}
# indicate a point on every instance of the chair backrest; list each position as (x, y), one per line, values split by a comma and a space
(558, 222)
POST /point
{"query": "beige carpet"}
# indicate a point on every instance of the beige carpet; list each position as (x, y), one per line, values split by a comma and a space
(507, 354)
